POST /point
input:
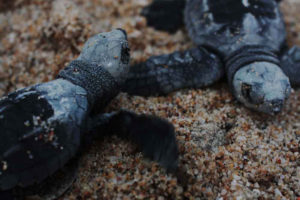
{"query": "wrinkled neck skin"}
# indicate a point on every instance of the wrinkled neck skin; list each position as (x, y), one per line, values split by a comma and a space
(101, 67)
(261, 86)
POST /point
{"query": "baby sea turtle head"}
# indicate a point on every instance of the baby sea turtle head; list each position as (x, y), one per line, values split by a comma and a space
(262, 86)
(109, 50)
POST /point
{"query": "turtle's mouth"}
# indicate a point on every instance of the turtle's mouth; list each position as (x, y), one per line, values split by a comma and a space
(125, 53)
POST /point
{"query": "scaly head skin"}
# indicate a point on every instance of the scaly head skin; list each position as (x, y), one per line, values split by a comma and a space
(109, 50)
(262, 86)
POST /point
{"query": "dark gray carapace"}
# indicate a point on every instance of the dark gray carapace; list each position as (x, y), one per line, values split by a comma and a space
(240, 38)
(42, 126)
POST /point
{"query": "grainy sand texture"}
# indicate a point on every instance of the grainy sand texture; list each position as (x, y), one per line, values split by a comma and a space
(228, 151)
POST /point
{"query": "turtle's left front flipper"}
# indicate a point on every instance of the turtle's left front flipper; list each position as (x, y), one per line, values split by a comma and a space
(8, 195)
(154, 136)
(165, 15)
(290, 64)
(160, 75)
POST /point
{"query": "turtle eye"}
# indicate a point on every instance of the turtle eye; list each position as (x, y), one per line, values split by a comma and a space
(287, 89)
(252, 93)
(246, 89)
(287, 92)
(125, 53)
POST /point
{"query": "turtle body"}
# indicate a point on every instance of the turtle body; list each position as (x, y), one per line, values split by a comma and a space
(42, 127)
(242, 39)
(247, 34)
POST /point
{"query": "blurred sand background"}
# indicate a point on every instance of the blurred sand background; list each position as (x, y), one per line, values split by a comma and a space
(229, 151)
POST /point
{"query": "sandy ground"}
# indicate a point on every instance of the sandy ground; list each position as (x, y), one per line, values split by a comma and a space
(228, 151)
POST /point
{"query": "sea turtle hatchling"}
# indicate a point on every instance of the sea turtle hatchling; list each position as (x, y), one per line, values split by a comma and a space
(244, 39)
(42, 126)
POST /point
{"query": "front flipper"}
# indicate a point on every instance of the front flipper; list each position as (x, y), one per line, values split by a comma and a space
(165, 15)
(56, 185)
(160, 75)
(8, 195)
(154, 136)
(290, 64)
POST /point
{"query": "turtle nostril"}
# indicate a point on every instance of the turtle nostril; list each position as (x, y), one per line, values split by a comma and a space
(125, 53)
(277, 105)
(276, 110)
(124, 32)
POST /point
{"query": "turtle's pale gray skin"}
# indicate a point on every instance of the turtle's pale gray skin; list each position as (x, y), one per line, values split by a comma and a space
(116, 62)
(242, 39)
(42, 127)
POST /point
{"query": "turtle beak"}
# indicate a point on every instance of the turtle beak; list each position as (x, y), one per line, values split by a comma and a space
(277, 106)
